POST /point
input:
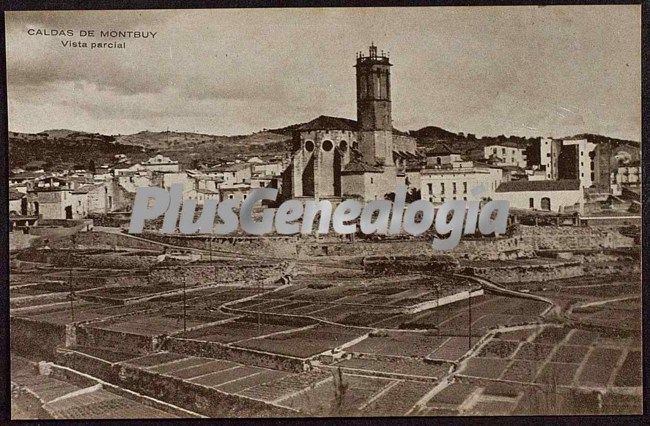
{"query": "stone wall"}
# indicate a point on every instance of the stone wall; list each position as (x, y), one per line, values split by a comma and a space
(527, 273)
(573, 238)
(200, 399)
(242, 355)
(32, 338)
(116, 340)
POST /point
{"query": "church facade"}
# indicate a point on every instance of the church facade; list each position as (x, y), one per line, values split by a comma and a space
(341, 158)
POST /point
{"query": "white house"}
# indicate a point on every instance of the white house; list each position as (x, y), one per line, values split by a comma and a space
(542, 194)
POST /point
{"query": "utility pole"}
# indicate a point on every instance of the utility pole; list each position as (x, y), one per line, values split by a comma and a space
(71, 295)
(184, 305)
(469, 338)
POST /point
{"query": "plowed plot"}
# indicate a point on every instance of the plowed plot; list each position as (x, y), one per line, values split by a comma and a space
(570, 353)
(233, 331)
(630, 373)
(551, 335)
(598, 367)
(582, 337)
(454, 394)
(521, 371)
(150, 325)
(106, 354)
(490, 368)
(395, 366)
(498, 349)
(321, 400)
(517, 335)
(555, 373)
(202, 369)
(533, 352)
(398, 400)
(253, 380)
(453, 348)
(500, 389)
(275, 389)
(156, 359)
(305, 343)
(366, 318)
(177, 365)
(399, 344)
(492, 408)
(220, 377)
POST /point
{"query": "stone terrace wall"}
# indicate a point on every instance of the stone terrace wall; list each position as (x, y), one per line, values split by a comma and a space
(116, 340)
(241, 355)
(480, 248)
(527, 273)
(36, 338)
(574, 238)
(267, 246)
(200, 399)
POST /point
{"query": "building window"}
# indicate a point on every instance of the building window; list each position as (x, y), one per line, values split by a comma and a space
(503, 151)
(531, 203)
(442, 199)
(438, 160)
(442, 188)
(464, 187)
(327, 146)
(372, 180)
(230, 196)
(454, 188)
(430, 185)
(244, 196)
(546, 203)
(309, 146)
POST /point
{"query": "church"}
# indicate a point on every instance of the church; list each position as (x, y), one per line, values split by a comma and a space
(335, 158)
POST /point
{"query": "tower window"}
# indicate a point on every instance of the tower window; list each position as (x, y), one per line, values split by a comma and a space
(327, 146)
(309, 146)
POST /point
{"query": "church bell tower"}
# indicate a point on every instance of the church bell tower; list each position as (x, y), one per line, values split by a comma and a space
(374, 107)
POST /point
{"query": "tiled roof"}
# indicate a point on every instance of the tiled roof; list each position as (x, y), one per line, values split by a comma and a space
(539, 185)
(442, 149)
(325, 122)
(361, 167)
(15, 195)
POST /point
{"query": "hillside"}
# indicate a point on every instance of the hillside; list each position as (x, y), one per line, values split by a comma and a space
(63, 148)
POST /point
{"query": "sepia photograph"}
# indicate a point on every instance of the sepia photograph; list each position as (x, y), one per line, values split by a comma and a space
(325, 212)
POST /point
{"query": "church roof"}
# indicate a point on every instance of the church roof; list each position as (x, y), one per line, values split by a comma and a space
(539, 185)
(325, 122)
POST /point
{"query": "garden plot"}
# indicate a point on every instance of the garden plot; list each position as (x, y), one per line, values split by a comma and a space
(598, 367)
(277, 389)
(150, 324)
(557, 373)
(232, 331)
(490, 368)
(321, 399)
(399, 399)
(399, 366)
(630, 373)
(255, 379)
(406, 344)
(305, 343)
(453, 348)
(453, 395)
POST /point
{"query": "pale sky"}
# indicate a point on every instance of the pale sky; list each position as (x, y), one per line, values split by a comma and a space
(529, 71)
